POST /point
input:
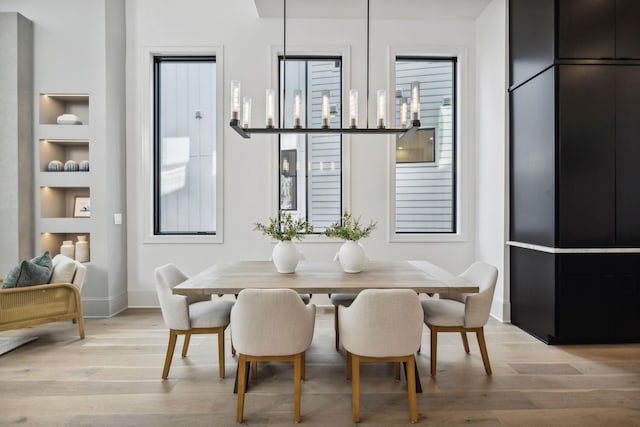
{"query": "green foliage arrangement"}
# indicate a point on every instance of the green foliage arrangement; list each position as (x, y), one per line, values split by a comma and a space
(285, 227)
(349, 228)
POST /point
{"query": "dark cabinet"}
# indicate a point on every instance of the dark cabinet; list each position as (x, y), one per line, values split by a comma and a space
(627, 29)
(586, 29)
(586, 160)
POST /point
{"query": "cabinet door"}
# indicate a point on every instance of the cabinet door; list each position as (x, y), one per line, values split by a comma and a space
(586, 163)
(627, 29)
(628, 155)
(586, 29)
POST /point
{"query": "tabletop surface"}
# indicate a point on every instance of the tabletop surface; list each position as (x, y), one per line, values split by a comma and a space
(324, 277)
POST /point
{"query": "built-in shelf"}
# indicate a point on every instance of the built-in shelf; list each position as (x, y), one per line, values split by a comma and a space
(62, 150)
(52, 241)
(53, 105)
(59, 202)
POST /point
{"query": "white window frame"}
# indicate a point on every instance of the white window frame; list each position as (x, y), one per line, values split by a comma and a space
(344, 52)
(147, 79)
(463, 121)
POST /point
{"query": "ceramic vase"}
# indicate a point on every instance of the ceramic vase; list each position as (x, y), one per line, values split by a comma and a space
(67, 249)
(55, 166)
(82, 249)
(352, 256)
(71, 166)
(285, 256)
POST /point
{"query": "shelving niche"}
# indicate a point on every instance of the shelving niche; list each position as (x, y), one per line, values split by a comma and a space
(52, 241)
(53, 105)
(62, 150)
(58, 202)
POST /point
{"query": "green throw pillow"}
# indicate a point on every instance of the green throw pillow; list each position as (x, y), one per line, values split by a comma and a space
(30, 272)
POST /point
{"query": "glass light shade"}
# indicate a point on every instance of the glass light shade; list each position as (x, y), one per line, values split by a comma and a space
(382, 108)
(270, 108)
(325, 109)
(403, 113)
(235, 100)
(246, 111)
(353, 108)
(297, 108)
(415, 100)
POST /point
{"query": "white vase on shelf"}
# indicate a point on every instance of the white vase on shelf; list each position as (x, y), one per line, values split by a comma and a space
(67, 249)
(82, 249)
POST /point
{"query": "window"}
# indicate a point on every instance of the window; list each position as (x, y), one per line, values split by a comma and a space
(425, 163)
(310, 167)
(185, 164)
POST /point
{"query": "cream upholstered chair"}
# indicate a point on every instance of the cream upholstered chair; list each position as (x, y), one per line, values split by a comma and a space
(463, 312)
(185, 317)
(271, 325)
(382, 325)
(338, 300)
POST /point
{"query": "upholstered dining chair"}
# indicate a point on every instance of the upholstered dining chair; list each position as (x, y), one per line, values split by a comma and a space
(338, 300)
(186, 317)
(463, 312)
(382, 325)
(271, 325)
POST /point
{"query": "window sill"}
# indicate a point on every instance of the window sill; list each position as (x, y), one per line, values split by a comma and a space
(182, 239)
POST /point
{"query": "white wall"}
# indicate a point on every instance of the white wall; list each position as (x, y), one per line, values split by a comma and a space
(491, 155)
(247, 41)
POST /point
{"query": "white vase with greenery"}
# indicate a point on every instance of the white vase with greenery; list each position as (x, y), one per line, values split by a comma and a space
(351, 255)
(284, 229)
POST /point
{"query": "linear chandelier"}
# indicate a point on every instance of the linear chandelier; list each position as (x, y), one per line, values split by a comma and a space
(241, 123)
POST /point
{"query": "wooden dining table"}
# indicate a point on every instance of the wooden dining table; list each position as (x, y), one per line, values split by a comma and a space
(324, 277)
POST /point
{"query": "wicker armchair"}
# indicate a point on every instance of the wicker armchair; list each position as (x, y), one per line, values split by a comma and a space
(51, 302)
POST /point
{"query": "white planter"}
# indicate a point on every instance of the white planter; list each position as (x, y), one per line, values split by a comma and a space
(352, 256)
(285, 256)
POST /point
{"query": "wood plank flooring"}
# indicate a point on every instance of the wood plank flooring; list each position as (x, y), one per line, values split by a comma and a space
(112, 378)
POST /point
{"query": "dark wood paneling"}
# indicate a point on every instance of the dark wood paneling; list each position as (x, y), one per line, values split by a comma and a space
(628, 29)
(628, 155)
(531, 38)
(586, 178)
(586, 29)
(533, 161)
(532, 287)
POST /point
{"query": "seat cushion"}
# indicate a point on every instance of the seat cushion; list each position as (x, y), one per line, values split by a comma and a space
(210, 314)
(342, 299)
(36, 271)
(443, 312)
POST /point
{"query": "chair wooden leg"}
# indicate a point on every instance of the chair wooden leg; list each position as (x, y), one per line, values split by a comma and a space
(397, 370)
(173, 336)
(185, 345)
(221, 353)
(304, 365)
(465, 342)
(254, 370)
(434, 349)
(297, 377)
(349, 364)
(336, 327)
(355, 387)
(483, 350)
(233, 349)
(81, 326)
(242, 372)
(411, 388)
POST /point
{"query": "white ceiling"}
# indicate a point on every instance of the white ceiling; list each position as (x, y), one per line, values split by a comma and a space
(379, 9)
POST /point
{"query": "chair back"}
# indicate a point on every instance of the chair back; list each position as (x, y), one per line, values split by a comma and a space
(478, 306)
(175, 309)
(382, 323)
(271, 322)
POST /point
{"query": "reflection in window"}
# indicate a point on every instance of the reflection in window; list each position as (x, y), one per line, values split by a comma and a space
(311, 165)
(425, 162)
(185, 145)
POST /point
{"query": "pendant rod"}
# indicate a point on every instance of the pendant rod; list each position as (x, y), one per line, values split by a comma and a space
(367, 108)
(284, 62)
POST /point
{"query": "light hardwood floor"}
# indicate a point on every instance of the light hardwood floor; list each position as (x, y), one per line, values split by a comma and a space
(112, 378)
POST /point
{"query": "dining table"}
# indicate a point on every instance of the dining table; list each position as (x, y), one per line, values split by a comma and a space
(324, 277)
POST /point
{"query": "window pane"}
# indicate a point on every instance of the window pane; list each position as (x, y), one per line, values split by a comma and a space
(425, 162)
(311, 165)
(185, 145)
